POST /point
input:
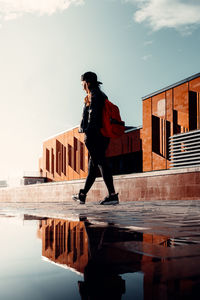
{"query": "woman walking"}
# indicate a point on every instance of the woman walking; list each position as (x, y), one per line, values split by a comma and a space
(95, 142)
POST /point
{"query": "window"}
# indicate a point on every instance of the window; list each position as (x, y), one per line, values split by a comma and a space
(176, 127)
(192, 110)
(47, 159)
(52, 161)
(70, 155)
(81, 242)
(82, 156)
(58, 157)
(75, 153)
(156, 134)
(64, 160)
(168, 133)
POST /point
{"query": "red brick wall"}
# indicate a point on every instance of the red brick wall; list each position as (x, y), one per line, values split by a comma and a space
(128, 143)
(194, 86)
(159, 111)
(147, 135)
(57, 235)
(65, 161)
(181, 105)
(168, 110)
(169, 115)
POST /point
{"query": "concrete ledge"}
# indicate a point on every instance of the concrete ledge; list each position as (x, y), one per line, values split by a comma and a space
(161, 172)
(179, 184)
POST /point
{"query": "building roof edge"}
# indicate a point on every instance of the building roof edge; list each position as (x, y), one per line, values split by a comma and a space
(64, 131)
(171, 86)
(132, 128)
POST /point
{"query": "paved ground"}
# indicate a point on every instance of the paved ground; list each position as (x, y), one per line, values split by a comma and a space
(178, 219)
(164, 243)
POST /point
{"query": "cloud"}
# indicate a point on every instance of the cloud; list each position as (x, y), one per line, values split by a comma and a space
(146, 57)
(182, 15)
(147, 43)
(12, 9)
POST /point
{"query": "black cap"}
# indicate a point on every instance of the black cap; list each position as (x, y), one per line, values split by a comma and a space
(90, 77)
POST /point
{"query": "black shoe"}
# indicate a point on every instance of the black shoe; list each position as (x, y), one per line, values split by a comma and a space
(110, 200)
(80, 197)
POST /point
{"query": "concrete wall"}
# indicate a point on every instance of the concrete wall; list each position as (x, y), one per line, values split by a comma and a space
(181, 184)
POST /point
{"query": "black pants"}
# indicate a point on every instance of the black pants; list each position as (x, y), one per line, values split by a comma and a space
(97, 145)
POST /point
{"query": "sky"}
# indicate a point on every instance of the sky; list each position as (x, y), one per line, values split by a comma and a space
(135, 46)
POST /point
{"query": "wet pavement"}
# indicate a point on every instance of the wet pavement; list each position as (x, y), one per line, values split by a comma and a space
(136, 250)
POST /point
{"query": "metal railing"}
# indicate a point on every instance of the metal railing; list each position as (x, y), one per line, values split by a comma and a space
(184, 149)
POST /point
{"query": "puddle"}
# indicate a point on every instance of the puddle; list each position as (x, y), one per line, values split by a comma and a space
(44, 258)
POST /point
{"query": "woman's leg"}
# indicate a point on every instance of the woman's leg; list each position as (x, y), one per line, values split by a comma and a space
(92, 174)
(103, 165)
(97, 146)
(107, 176)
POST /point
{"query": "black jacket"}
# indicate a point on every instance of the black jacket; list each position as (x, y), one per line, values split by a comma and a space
(92, 115)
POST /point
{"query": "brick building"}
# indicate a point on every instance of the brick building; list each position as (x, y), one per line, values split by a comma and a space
(65, 243)
(65, 156)
(169, 112)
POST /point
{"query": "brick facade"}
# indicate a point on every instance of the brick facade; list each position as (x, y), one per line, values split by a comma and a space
(172, 110)
(65, 156)
(65, 243)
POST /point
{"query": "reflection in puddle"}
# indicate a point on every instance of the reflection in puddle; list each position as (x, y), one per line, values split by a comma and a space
(108, 262)
(104, 253)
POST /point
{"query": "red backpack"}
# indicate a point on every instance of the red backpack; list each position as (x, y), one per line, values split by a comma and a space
(112, 124)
